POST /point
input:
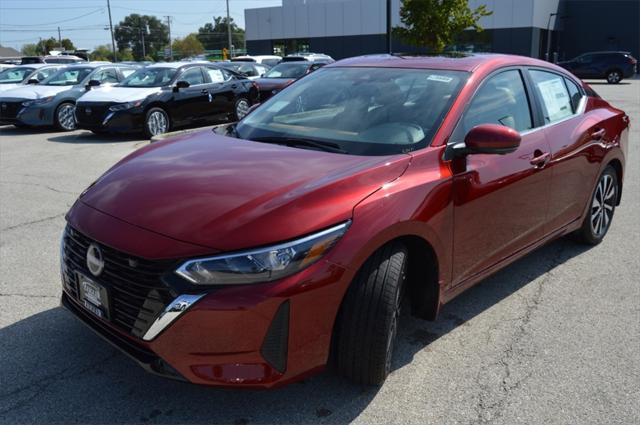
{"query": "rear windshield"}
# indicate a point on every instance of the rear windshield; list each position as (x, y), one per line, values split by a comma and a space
(360, 111)
(15, 75)
(288, 70)
(150, 77)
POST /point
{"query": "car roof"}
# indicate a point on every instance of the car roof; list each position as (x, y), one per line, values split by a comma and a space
(177, 64)
(466, 62)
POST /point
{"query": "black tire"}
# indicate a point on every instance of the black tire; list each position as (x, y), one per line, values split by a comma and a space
(590, 233)
(368, 318)
(65, 126)
(149, 132)
(614, 76)
(20, 125)
(239, 101)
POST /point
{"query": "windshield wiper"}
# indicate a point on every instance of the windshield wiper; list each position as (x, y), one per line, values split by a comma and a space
(297, 141)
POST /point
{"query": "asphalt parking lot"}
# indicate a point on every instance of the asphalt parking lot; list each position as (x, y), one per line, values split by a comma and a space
(554, 338)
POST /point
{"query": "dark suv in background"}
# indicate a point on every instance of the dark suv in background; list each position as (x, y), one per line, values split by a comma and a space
(612, 66)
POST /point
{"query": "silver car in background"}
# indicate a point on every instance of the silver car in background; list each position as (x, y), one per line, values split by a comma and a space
(16, 76)
(52, 101)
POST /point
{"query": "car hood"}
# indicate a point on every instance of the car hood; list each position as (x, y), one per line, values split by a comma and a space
(229, 194)
(8, 86)
(273, 83)
(118, 94)
(34, 91)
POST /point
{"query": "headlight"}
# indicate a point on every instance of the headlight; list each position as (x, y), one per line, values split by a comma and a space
(262, 265)
(38, 101)
(125, 106)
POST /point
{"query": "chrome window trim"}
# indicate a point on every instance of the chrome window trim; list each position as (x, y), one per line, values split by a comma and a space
(175, 309)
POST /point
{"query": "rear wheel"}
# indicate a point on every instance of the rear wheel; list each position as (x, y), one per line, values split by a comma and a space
(602, 206)
(368, 320)
(241, 108)
(156, 122)
(65, 116)
(614, 76)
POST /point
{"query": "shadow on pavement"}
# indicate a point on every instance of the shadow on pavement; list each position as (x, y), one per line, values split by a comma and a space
(55, 370)
(10, 130)
(87, 137)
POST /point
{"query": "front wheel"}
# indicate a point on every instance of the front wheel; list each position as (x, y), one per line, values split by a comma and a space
(614, 77)
(65, 116)
(603, 204)
(156, 122)
(368, 319)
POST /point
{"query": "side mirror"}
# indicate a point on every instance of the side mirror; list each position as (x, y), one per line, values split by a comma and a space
(92, 83)
(33, 81)
(181, 85)
(490, 139)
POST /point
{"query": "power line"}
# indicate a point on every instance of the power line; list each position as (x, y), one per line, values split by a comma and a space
(56, 22)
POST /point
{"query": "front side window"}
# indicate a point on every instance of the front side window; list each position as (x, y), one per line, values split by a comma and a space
(15, 75)
(553, 94)
(68, 77)
(150, 77)
(108, 75)
(360, 111)
(127, 71)
(584, 59)
(42, 74)
(502, 99)
(193, 76)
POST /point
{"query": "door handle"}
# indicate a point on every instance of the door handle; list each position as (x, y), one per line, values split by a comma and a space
(599, 134)
(540, 159)
(204, 91)
(234, 86)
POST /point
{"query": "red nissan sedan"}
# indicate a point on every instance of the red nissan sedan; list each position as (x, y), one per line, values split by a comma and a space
(255, 255)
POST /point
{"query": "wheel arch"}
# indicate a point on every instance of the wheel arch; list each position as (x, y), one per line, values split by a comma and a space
(617, 166)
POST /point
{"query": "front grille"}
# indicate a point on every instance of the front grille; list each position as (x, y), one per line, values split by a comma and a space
(9, 110)
(92, 114)
(137, 293)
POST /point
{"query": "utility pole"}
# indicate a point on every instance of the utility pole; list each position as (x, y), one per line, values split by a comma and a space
(113, 40)
(389, 48)
(229, 28)
(144, 51)
(547, 55)
(170, 46)
(59, 39)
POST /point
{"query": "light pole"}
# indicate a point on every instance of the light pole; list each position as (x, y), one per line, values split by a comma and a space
(389, 48)
(548, 54)
(113, 40)
(229, 29)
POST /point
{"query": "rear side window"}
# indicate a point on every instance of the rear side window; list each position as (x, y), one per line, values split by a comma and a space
(503, 100)
(553, 94)
(575, 95)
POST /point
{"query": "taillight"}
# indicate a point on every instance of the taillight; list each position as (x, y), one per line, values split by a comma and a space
(632, 60)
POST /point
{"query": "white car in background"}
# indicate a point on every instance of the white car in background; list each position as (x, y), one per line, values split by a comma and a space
(17, 76)
(269, 60)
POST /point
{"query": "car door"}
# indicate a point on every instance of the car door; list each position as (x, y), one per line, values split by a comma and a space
(222, 90)
(500, 201)
(572, 137)
(190, 104)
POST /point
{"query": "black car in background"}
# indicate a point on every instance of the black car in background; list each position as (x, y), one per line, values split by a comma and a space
(612, 66)
(283, 74)
(166, 96)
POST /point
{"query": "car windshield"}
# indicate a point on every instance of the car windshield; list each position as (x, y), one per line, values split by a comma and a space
(67, 77)
(287, 70)
(360, 111)
(150, 77)
(15, 75)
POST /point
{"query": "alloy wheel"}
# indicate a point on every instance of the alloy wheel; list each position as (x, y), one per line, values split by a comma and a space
(157, 123)
(242, 109)
(66, 116)
(603, 204)
(614, 77)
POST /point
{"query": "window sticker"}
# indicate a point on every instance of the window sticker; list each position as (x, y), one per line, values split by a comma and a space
(556, 99)
(440, 78)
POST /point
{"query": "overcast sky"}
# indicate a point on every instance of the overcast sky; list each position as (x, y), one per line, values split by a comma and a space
(84, 21)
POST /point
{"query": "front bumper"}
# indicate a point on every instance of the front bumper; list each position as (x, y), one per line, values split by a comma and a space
(262, 335)
(102, 119)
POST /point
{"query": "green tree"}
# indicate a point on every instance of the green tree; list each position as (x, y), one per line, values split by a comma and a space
(30, 49)
(43, 47)
(188, 46)
(433, 24)
(128, 35)
(213, 36)
(102, 53)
